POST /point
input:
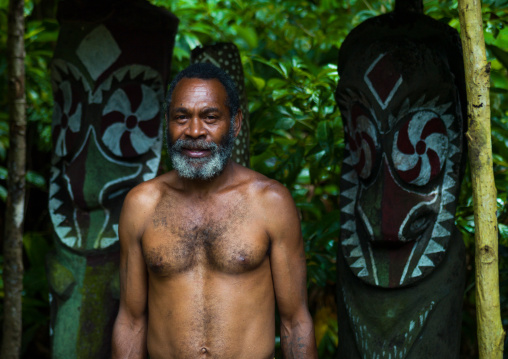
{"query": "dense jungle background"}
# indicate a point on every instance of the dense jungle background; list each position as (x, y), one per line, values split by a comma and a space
(289, 53)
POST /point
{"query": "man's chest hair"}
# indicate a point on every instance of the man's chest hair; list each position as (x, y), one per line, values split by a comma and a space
(219, 236)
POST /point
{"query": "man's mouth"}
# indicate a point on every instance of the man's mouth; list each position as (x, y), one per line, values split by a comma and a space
(196, 152)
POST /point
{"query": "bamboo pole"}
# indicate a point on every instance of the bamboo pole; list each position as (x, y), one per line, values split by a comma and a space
(14, 211)
(488, 314)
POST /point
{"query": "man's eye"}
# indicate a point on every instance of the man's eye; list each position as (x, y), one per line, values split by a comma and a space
(180, 117)
(211, 118)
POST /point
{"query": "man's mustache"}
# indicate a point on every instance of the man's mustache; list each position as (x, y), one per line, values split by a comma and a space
(194, 145)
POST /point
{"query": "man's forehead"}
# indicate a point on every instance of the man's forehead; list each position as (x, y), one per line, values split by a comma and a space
(211, 89)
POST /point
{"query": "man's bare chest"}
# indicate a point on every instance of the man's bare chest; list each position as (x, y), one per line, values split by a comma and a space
(225, 238)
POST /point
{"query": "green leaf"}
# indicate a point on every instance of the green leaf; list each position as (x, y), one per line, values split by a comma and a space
(35, 179)
(247, 34)
(258, 82)
(29, 6)
(3, 193)
(500, 54)
(285, 123)
(503, 234)
(45, 36)
(275, 83)
(36, 247)
(324, 135)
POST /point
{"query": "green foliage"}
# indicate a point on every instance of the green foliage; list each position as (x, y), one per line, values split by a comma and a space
(289, 53)
(36, 291)
(40, 36)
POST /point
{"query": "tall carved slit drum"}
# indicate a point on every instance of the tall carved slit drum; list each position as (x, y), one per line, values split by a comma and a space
(226, 56)
(109, 74)
(401, 260)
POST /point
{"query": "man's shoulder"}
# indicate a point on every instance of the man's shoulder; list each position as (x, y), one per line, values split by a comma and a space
(266, 190)
(272, 202)
(149, 193)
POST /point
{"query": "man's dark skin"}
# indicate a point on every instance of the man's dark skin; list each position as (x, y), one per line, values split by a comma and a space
(203, 262)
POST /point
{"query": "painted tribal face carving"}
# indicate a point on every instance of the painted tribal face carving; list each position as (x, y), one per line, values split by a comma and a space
(403, 131)
(107, 135)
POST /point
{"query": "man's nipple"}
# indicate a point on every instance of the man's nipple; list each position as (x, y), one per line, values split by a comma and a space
(204, 351)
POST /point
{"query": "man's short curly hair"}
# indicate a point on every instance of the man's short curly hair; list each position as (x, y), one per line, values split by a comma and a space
(208, 71)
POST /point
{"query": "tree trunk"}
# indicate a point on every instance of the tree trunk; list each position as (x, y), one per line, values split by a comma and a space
(490, 330)
(14, 213)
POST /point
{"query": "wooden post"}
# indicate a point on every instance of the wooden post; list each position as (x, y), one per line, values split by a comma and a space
(14, 211)
(488, 314)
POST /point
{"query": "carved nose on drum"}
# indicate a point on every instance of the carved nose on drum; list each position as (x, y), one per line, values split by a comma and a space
(394, 215)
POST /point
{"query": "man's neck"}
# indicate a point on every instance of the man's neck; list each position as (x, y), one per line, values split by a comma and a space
(203, 188)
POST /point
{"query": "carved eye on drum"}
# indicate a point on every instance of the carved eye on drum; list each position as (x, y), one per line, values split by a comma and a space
(130, 120)
(363, 143)
(420, 148)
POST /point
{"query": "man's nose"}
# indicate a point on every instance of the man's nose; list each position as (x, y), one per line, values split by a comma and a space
(196, 128)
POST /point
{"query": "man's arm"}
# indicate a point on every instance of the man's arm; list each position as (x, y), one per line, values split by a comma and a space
(129, 331)
(287, 259)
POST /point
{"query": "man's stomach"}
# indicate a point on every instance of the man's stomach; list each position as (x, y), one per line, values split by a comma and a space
(211, 315)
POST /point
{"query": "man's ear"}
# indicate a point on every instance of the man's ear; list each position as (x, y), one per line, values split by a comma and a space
(238, 122)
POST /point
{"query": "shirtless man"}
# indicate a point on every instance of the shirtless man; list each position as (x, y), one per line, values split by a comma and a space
(209, 248)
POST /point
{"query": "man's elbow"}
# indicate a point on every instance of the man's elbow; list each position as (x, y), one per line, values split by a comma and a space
(299, 319)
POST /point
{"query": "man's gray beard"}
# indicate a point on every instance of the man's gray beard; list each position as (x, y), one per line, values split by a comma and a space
(203, 168)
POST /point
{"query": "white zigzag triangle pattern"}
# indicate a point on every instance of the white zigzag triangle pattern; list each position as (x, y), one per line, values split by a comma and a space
(425, 262)
(350, 226)
(351, 176)
(55, 172)
(448, 119)
(350, 193)
(453, 135)
(360, 263)
(351, 241)
(349, 159)
(442, 108)
(420, 101)
(107, 241)
(356, 252)
(62, 232)
(135, 71)
(57, 219)
(440, 231)
(349, 209)
(363, 273)
(448, 198)
(55, 204)
(121, 74)
(149, 75)
(416, 273)
(433, 247)
(449, 182)
(53, 189)
(69, 241)
(445, 216)
(453, 150)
